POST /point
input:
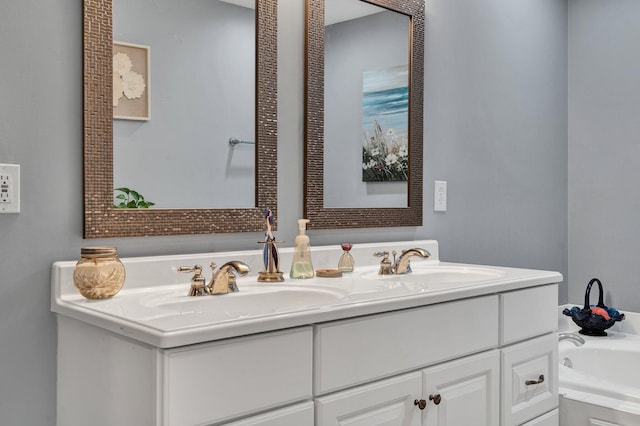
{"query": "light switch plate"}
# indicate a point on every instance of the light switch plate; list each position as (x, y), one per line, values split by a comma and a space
(440, 196)
(9, 188)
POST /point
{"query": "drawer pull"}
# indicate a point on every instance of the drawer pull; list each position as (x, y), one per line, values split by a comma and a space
(535, 382)
(435, 398)
(421, 403)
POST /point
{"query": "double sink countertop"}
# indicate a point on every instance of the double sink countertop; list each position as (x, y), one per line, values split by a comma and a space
(153, 306)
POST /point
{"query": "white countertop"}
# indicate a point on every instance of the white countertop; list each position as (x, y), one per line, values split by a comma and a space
(153, 306)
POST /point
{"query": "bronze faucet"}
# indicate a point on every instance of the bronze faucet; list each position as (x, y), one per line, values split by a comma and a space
(402, 264)
(222, 282)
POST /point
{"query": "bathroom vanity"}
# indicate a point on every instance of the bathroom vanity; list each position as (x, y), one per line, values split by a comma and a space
(447, 344)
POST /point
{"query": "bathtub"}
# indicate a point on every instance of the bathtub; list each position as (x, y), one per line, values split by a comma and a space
(599, 382)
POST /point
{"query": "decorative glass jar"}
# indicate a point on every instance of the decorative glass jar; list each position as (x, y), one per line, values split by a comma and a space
(99, 274)
(346, 262)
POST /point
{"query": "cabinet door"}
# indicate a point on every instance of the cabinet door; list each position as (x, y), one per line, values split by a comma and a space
(463, 392)
(388, 402)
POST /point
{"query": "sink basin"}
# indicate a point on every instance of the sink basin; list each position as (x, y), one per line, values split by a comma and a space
(251, 300)
(434, 278)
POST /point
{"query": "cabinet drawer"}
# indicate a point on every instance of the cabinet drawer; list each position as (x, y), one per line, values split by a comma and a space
(528, 313)
(217, 381)
(363, 349)
(552, 418)
(298, 415)
(535, 360)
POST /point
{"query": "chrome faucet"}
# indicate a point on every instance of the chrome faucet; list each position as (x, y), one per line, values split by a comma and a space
(224, 281)
(402, 264)
(577, 340)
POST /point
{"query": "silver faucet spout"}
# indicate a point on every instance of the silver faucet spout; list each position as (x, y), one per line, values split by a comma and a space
(224, 281)
(402, 265)
(572, 337)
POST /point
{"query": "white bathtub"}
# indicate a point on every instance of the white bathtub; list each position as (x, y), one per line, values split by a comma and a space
(600, 380)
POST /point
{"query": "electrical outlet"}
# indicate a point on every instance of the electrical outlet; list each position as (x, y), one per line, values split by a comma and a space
(9, 188)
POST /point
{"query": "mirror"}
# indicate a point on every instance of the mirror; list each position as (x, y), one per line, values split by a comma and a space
(203, 54)
(363, 113)
(101, 219)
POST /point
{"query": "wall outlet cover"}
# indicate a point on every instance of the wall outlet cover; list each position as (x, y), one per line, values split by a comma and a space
(9, 188)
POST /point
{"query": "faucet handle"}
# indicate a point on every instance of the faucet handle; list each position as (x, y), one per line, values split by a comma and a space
(383, 254)
(385, 263)
(197, 281)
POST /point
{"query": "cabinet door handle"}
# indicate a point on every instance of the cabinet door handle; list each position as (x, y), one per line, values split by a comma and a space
(421, 403)
(535, 382)
(435, 398)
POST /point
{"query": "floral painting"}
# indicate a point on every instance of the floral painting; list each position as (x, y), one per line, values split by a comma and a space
(130, 81)
(385, 123)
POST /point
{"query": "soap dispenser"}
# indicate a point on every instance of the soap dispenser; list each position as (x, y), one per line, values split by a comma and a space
(301, 266)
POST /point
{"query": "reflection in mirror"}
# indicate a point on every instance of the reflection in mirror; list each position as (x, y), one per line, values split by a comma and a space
(202, 94)
(101, 219)
(363, 127)
(366, 99)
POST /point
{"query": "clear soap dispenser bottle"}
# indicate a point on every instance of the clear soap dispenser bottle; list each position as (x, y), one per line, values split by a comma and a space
(301, 266)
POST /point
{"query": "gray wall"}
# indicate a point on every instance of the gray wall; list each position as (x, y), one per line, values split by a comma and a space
(495, 129)
(604, 149)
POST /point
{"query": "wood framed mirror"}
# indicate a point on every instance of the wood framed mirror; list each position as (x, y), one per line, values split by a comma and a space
(101, 219)
(319, 168)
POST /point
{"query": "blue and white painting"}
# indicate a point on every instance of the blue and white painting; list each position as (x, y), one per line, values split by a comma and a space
(385, 124)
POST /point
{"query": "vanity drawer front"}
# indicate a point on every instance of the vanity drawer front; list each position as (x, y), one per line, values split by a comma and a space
(355, 351)
(217, 381)
(528, 313)
(535, 360)
(552, 418)
(297, 415)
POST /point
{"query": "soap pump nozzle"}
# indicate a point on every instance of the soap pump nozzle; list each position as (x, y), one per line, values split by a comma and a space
(302, 226)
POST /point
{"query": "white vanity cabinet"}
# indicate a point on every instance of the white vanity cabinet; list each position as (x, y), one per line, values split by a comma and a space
(470, 354)
(380, 351)
(488, 387)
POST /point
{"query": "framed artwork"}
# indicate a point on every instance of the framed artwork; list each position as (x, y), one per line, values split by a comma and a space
(130, 81)
(385, 124)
